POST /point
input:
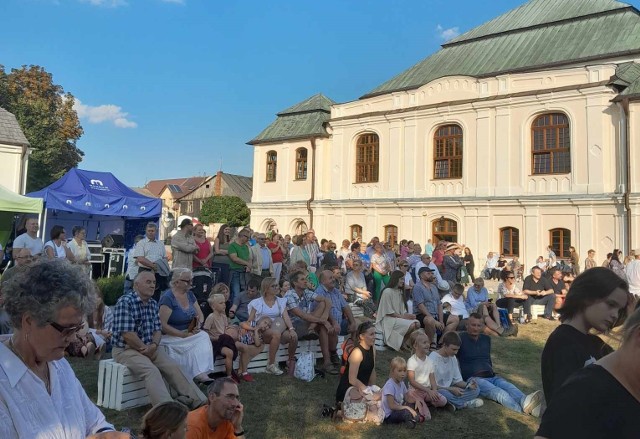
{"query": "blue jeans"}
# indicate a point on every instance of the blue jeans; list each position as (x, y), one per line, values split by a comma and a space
(501, 391)
(238, 283)
(460, 401)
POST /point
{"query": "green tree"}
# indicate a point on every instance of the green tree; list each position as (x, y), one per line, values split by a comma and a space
(225, 209)
(47, 118)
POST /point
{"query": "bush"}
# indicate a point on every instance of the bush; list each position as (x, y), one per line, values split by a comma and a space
(112, 288)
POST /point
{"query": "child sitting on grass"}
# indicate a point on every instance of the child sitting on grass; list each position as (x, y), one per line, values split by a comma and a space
(394, 395)
(422, 380)
(462, 394)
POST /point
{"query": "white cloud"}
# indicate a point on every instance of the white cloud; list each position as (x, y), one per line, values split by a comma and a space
(447, 34)
(108, 113)
(106, 3)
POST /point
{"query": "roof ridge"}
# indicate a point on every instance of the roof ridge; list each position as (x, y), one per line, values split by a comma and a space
(456, 42)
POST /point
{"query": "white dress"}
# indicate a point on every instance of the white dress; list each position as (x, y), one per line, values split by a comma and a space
(194, 354)
(28, 411)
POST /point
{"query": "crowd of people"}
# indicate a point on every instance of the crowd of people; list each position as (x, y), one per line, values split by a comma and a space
(246, 292)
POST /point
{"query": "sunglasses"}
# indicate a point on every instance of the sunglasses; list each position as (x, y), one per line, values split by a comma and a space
(403, 265)
(66, 330)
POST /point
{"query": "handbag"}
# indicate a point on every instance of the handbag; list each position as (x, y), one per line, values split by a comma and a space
(278, 323)
(305, 366)
(359, 408)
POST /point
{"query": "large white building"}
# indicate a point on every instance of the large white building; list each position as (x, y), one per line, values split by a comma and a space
(14, 154)
(521, 133)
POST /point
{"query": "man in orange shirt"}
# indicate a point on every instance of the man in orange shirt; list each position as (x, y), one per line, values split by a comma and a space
(222, 417)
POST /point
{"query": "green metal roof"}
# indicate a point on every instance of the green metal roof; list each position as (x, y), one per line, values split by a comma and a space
(314, 103)
(499, 49)
(627, 79)
(302, 121)
(539, 12)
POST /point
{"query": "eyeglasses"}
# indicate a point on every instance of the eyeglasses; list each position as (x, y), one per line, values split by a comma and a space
(66, 330)
(403, 265)
(186, 281)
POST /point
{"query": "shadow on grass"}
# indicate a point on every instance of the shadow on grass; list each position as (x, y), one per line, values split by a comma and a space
(283, 407)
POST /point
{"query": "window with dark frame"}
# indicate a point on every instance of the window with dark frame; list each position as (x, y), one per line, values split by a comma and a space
(367, 158)
(550, 144)
(560, 241)
(356, 232)
(301, 164)
(272, 164)
(447, 157)
(510, 241)
(391, 234)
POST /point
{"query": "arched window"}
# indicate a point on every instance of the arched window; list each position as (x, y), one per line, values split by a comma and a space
(300, 227)
(301, 164)
(560, 241)
(272, 164)
(367, 158)
(391, 234)
(444, 229)
(510, 241)
(447, 157)
(356, 232)
(550, 145)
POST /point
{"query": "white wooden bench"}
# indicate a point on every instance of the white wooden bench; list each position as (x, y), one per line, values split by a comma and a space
(380, 346)
(119, 389)
(536, 310)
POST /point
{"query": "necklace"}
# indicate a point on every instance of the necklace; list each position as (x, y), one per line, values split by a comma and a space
(46, 380)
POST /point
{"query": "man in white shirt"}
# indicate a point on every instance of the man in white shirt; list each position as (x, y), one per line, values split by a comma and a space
(425, 261)
(146, 255)
(29, 239)
(633, 274)
(455, 299)
(261, 256)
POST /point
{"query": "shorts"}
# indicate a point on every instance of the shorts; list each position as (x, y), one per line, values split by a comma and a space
(302, 328)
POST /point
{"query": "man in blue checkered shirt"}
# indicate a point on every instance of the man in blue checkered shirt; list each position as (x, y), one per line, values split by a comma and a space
(136, 335)
(339, 308)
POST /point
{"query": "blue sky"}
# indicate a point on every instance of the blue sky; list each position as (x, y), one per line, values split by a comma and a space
(169, 88)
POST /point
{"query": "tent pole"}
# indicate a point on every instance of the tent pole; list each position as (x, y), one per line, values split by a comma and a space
(43, 222)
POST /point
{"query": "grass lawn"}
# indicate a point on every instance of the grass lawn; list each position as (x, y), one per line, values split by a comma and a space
(283, 407)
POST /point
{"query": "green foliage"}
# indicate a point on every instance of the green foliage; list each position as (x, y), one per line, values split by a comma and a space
(47, 118)
(112, 288)
(225, 209)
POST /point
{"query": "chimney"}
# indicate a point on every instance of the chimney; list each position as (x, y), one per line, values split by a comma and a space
(217, 185)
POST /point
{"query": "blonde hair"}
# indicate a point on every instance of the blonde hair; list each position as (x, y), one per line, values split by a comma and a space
(397, 363)
(213, 297)
(261, 319)
(220, 288)
(414, 337)
(266, 283)
(631, 325)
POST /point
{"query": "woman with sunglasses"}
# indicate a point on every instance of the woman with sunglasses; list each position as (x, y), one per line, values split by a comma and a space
(282, 330)
(509, 293)
(181, 319)
(39, 391)
(597, 301)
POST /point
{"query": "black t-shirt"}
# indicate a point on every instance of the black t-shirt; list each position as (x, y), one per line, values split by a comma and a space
(566, 351)
(592, 404)
(557, 288)
(531, 284)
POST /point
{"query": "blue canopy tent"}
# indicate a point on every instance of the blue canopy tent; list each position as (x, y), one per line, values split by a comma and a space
(99, 202)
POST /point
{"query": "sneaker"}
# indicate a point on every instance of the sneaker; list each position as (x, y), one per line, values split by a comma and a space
(247, 377)
(273, 369)
(335, 359)
(474, 404)
(449, 407)
(539, 410)
(531, 401)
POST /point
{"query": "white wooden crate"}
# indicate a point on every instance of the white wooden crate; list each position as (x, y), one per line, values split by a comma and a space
(380, 346)
(119, 389)
(536, 310)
